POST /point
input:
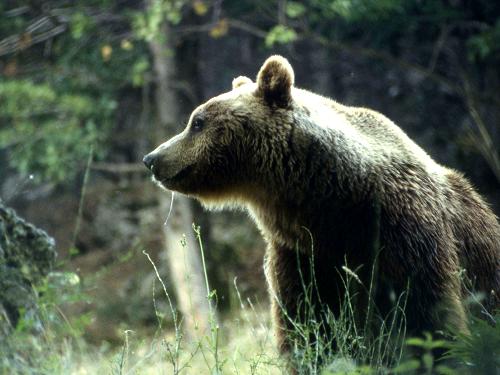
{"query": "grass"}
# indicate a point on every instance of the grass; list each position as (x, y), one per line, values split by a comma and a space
(245, 347)
(242, 342)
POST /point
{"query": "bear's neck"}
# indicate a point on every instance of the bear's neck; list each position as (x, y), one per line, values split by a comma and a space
(286, 224)
(293, 221)
(286, 197)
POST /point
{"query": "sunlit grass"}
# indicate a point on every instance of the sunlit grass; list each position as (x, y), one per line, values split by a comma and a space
(246, 347)
(241, 341)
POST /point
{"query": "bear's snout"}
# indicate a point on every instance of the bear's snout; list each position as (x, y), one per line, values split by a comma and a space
(149, 160)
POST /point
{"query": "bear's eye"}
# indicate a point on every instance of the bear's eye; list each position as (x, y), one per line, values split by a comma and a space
(197, 124)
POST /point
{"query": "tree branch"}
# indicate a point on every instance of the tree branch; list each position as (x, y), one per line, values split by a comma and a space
(482, 139)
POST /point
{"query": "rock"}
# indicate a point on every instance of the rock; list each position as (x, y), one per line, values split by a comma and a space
(27, 254)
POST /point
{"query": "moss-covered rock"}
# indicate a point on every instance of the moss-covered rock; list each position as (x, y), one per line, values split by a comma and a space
(27, 254)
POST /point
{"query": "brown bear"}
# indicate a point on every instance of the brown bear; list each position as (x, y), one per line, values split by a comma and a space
(330, 185)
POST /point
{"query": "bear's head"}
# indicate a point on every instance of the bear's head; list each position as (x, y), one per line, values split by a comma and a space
(231, 141)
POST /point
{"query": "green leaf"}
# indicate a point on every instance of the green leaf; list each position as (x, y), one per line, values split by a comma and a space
(280, 34)
(80, 24)
(444, 370)
(72, 251)
(407, 366)
(295, 9)
(438, 344)
(428, 361)
(415, 341)
(139, 70)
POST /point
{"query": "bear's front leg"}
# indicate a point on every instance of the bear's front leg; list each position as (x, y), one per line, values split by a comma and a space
(297, 310)
(285, 290)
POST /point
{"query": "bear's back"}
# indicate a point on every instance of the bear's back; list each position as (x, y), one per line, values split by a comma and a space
(384, 137)
(370, 140)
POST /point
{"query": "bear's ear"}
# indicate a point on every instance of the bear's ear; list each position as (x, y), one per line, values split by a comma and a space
(275, 81)
(240, 81)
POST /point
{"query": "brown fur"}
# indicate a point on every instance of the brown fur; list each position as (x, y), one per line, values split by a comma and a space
(333, 182)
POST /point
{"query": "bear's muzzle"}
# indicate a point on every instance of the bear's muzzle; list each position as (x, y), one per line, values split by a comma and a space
(149, 160)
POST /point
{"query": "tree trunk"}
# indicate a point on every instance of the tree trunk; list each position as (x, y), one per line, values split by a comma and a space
(181, 245)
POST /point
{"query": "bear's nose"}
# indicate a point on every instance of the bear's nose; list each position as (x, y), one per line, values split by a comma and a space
(149, 160)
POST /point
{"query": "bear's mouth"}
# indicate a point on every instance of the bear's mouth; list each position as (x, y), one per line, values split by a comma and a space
(169, 181)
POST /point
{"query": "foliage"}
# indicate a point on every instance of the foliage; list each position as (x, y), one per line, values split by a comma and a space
(479, 352)
(485, 44)
(280, 34)
(58, 98)
(44, 344)
(385, 23)
(147, 24)
(426, 361)
(49, 134)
